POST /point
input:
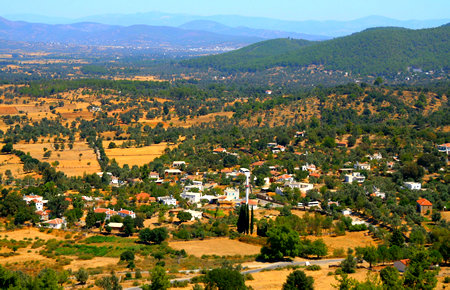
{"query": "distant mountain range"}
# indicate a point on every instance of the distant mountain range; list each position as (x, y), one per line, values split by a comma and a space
(312, 27)
(88, 33)
(382, 51)
(216, 27)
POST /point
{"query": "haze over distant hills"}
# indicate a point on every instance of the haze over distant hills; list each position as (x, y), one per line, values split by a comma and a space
(88, 33)
(383, 51)
(329, 28)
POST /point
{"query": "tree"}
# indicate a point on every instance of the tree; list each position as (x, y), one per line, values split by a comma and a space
(128, 226)
(281, 242)
(298, 280)
(397, 238)
(224, 279)
(157, 235)
(90, 219)
(109, 282)
(370, 255)
(436, 216)
(418, 275)
(127, 256)
(58, 205)
(348, 265)
(7, 148)
(242, 222)
(159, 280)
(47, 154)
(318, 248)
(378, 81)
(82, 276)
(184, 216)
(252, 222)
(390, 278)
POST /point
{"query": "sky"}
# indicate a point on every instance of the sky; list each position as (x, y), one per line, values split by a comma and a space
(279, 9)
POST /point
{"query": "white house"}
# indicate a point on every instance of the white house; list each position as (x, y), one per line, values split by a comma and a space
(195, 214)
(231, 193)
(172, 171)
(178, 163)
(309, 167)
(56, 223)
(355, 176)
(302, 186)
(376, 156)
(38, 201)
(445, 148)
(362, 166)
(347, 212)
(124, 213)
(168, 200)
(413, 185)
(299, 134)
(192, 197)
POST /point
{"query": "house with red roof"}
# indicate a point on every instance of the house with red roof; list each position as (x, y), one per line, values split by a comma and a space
(424, 206)
(445, 148)
(124, 213)
(56, 223)
(109, 212)
(219, 150)
(401, 265)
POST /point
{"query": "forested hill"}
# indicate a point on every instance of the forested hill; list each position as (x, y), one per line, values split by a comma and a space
(382, 51)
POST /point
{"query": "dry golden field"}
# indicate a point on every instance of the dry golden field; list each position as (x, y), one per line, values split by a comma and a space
(12, 163)
(70, 161)
(135, 156)
(219, 246)
(350, 240)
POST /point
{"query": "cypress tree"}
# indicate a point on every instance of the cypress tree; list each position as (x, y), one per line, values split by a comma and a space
(241, 220)
(247, 219)
(252, 222)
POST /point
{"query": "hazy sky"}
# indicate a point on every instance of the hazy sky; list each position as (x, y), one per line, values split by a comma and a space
(280, 9)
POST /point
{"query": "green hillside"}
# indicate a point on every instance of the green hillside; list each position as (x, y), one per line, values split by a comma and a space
(373, 51)
(247, 58)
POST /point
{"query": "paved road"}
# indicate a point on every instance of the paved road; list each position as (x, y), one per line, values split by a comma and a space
(269, 266)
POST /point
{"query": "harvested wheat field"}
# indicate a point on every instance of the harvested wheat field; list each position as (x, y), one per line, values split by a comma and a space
(350, 240)
(269, 280)
(81, 159)
(12, 163)
(32, 233)
(96, 262)
(220, 247)
(136, 156)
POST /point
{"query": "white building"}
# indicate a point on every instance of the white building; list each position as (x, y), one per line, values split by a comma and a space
(38, 201)
(355, 176)
(195, 214)
(124, 213)
(413, 185)
(231, 193)
(362, 166)
(168, 200)
(302, 186)
(192, 197)
(178, 163)
(445, 148)
(309, 167)
(56, 223)
(108, 212)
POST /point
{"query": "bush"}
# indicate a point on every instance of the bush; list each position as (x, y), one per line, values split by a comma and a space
(313, 268)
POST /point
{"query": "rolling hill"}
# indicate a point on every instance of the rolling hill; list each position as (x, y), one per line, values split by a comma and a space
(216, 27)
(380, 51)
(88, 33)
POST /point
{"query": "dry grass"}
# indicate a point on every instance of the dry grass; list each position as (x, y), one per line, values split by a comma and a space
(350, 240)
(12, 163)
(70, 161)
(219, 246)
(269, 280)
(96, 262)
(135, 156)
